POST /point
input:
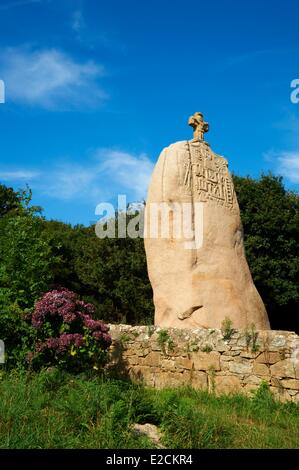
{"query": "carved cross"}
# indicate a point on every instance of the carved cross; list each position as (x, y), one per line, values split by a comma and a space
(199, 126)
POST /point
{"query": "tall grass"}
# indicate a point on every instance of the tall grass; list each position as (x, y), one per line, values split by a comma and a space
(52, 409)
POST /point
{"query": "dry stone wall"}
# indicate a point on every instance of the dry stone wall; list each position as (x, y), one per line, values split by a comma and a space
(220, 361)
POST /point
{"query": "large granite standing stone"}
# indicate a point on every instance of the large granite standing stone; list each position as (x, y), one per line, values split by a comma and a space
(198, 280)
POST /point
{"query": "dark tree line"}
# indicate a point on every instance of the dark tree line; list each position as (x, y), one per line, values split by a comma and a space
(270, 217)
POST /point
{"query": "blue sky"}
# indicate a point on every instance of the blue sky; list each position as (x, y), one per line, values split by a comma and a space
(96, 89)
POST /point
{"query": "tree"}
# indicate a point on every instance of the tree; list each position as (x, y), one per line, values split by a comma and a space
(270, 217)
(114, 271)
(9, 200)
(26, 265)
(27, 257)
(110, 273)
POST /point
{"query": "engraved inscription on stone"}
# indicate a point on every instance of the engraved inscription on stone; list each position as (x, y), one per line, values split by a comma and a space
(206, 176)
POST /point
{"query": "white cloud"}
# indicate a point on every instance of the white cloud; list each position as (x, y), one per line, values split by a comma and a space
(288, 165)
(126, 170)
(51, 79)
(101, 178)
(108, 173)
(18, 175)
(286, 162)
(67, 181)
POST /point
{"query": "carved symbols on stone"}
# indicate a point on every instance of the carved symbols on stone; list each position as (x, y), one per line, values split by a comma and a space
(206, 176)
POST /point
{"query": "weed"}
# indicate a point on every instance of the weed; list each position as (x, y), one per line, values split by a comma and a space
(192, 347)
(211, 377)
(262, 398)
(207, 348)
(165, 341)
(170, 344)
(247, 338)
(227, 328)
(251, 336)
(150, 330)
(125, 338)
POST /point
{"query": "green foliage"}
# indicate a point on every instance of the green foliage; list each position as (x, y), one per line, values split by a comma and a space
(251, 337)
(186, 426)
(165, 341)
(17, 334)
(115, 272)
(192, 346)
(163, 337)
(54, 409)
(263, 401)
(9, 200)
(270, 217)
(110, 273)
(150, 330)
(227, 328)
(26, 258)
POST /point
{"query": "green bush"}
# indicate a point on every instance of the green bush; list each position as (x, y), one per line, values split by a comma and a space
(17, 334)
(26, 259)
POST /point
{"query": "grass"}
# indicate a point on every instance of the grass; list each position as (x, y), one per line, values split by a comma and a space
(52, 409)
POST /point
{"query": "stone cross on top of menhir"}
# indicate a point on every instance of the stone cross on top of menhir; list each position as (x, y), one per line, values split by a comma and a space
(199, 126)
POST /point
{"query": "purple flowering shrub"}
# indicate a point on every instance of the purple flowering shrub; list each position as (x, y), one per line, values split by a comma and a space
(66, 333)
